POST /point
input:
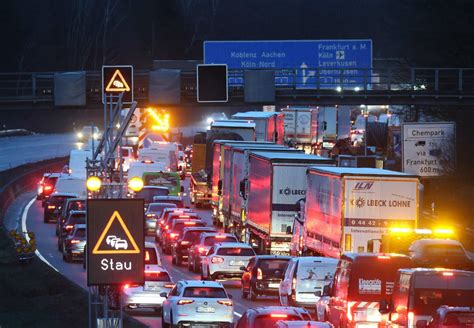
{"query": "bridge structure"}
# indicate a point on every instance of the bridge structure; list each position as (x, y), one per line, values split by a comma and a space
(383, 86)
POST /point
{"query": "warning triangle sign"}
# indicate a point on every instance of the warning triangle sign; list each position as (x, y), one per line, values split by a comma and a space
(117, 83)
(116, 243)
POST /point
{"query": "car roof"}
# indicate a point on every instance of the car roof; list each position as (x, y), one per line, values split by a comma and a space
(309, 324)
(62, 194)
(308, 259)
(52, 175)
(150, 244)
(278, 309)
(77, 212)
(228, 245)
(199, 229)
(80, 226)
(200, 283)
(273, 257)
(155, 187)
(212, 234)
(155, 267)
(163, 204)
(426, 242)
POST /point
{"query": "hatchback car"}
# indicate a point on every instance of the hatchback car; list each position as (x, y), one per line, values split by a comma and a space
(206, 241)
(439, 253)
(53, 205)
(74, 243)
(263, 275)
(175, 231)
(450, 317)
(179, 249)
(152, 214)
(177, 200)
(201, 303)
(268, 316)
(75, 217)
(46, 186)
(225, 261)
(167, 212)
(157, 282)
(69, 204)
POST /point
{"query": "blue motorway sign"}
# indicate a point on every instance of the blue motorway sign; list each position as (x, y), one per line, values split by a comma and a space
(307, 64)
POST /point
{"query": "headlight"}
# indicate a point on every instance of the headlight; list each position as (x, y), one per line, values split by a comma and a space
(95, 136)
(80, 135)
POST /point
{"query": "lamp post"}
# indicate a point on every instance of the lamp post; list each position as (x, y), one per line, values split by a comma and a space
(366, 115)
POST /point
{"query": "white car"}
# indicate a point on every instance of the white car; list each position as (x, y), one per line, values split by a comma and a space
(226, 261)
(121, 244)
(150, 295)
(195, 302)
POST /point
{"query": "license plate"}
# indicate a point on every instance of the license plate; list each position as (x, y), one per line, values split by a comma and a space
(204, 309)
(273, 285)
(237, 263)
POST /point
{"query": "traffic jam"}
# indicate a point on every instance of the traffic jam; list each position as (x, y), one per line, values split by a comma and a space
(275, 230)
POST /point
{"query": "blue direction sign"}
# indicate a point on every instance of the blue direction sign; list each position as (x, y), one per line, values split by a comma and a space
(309, 64)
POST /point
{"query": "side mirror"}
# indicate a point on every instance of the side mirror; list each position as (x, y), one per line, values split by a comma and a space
(384, 307)
(318, 293)
(229, 296)
(421, 323)
(242, 268)
(164, 294)
(327, 290)
(288, 230)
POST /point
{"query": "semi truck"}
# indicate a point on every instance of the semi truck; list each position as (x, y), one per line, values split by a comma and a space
(301, 124)
(349, 209)
(235, 170)
(276, 181)
(244, 128)
(269, 126)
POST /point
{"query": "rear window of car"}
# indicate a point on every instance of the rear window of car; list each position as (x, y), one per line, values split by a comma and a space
(159, 207)
(204, 292)
(193, 235)
(210, 241)
(428, 300)
(150, 256)
(442, 250)
(80, 233)
(76, 205)
(157, 276)
(269, 320)
(270, 266)
(235, 251)
(77, 219)
(459, 319)
(57, 200)
(179, 226)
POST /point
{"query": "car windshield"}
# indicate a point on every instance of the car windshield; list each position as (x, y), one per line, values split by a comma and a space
(157, 276)
(269, 320)
(204, 292)
(236, 251)
(459, 319)
(270, 266)
(211, 240)
(427, 300)
(80, 233)
(77, 219)
(150, 256)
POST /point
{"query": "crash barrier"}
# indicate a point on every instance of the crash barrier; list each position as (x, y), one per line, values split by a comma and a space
(18, 180)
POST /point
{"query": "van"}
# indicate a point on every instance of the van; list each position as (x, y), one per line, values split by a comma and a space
(418, 293)
(77, 162)
(361, 281)
(304, 280)
(71, 185)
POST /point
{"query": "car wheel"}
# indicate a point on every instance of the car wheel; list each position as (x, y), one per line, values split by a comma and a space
(163, 323)
(66, 258)
(245, 294)
(252, 294)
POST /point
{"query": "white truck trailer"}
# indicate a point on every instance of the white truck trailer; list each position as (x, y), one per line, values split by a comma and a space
(244, 128)
(349, 209)
(276, 181)
(269, 126)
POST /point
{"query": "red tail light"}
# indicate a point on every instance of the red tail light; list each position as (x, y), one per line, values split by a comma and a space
(169, 286)
(69, 227)
(48, 188)
(182, 302)
(259, 274)
(51, 207)
(278, 315)
(226, 303)
(217, 259)
(126, 286)
(383, 257)
(349, 310)
(167, 227)
(147, 256)
(202, 250)
(173, 235)
(75, 241)
(448, 274)
(189, 223)
(162, 221)
(185, 242)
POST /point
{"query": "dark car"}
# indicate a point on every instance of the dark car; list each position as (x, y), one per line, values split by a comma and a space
(175, 231)
(177, 200)
(179, 249)
(263, 275)
(268, 316)
(148, 192)
(75, 217)
(69, 204)
(440, 253)
(163, 227)
(46, 186)
(73, 245)
(451, 317)
(153, 212)
(53, 206)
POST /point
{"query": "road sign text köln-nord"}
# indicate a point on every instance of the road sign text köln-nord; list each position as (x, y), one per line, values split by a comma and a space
(115, 241)
(326, 64)
(118, 79)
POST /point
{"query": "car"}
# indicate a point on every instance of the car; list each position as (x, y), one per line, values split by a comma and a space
(440, 253)
(46, 186)
(75, 217)
(206, 241)
(53, 205)
(263, 275)
(120, 244)
(449, 317)
(179, 248)
(149, 192)
(225, 261)
(152, 256)
(168, 222)
(177, 200)
(74, 243)
(152, 214)
(164, 216)
(198, 303)
(69, 204)
(303, 277)
(175, 231)
(149, 295)
(88, 132)
(302, 324)
(268, 316)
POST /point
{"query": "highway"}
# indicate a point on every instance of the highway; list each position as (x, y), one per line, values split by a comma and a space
(47, 246)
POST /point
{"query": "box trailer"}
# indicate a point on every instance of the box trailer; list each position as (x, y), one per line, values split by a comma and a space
(300, 125)
(269, 126)
(349, 209)
(276, 181)
(244, 128)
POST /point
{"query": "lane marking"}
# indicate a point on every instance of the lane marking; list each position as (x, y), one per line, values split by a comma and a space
(237, 314)
(23, 228)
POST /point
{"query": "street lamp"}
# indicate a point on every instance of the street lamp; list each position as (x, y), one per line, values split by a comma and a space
(366, 115)
(135, 184)
(93, 184)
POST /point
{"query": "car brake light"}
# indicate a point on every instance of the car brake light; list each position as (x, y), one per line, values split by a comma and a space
(184, 216)
(147, 256)
(189, 223)
(202, 250)
(152, 271)
(293, 285)
(278, 315)
(169, 286)
(48, 188)
(411, 319)
(173, 235)
(69, 227)
(75, 241)
(259, 274)
(50, 207)
(162, 221)
(167, 227)
(448, 274)
(226, 303)
(383, 257)
(220, 237)
(349, 310)
(185, 242)
(217, 259)
(126, 286)
(149, 215)
(182, 302)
